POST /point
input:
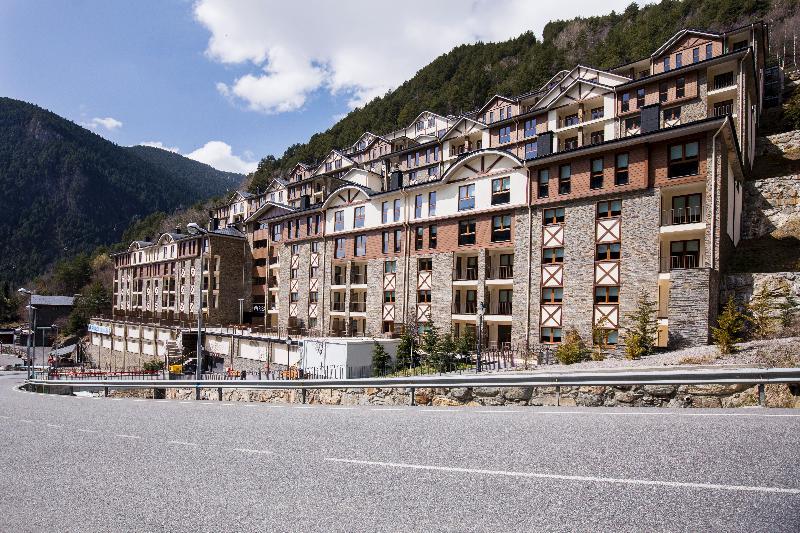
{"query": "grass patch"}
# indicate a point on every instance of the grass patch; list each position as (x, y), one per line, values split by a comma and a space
(697, 359)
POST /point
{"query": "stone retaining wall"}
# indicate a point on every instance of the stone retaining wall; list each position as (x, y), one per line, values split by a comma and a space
(700, 396)
(743, 286)
(779, 143)
(769, 203)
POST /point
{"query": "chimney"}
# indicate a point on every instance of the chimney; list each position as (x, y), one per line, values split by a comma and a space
(177, 229)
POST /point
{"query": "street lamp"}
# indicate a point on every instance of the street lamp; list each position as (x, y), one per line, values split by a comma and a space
(288, 351)
(480, 337)
(199, 360)
(23, 290)
(241, 311)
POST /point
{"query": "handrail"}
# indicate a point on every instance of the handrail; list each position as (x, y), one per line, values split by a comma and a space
(544, 379)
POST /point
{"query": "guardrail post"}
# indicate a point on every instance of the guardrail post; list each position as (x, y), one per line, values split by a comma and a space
(558, 395)
(219, 393)
(105, 391)
(413, 402)
(303, 391)
(197, 391)
(762, 395)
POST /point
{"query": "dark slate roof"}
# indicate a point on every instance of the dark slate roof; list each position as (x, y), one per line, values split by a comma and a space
(38, 299)
(229, 231)
(66, 350)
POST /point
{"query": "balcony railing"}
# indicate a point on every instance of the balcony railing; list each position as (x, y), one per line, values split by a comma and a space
(680, 262)
(358, 307)
(501, 272)
(358, 279)
(337, 307)
(465, 274)
(466, 308)
(686, 215)
(337, 280)
(722, 81)
(721, 110)
(499, 308)
(274, 260)
(272, 282)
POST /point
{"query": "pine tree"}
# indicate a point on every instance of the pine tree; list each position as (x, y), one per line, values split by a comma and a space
(446, 352)
(572, 349)
(381, 361)
(729, 328)
(760, 313)
(403, 359)
(640, 335)
(430, 346)
(788, 306)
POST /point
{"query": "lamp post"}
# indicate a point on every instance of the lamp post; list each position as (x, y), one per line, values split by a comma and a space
(288, 351)
(241, 311)
(23, 290)
(480, 337)
(199, 361)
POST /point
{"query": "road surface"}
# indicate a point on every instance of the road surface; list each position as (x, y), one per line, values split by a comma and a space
(99, 464)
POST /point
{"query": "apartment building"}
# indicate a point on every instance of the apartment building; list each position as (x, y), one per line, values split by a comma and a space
(536, 213)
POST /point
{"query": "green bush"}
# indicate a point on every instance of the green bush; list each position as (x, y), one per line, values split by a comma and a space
(381, 361)
(642, 330)
(635, 348)
(572, 349)
(728, 331)
(153, 365)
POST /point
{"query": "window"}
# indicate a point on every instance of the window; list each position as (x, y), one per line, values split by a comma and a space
(596, 177)
(433, 171)
(491, 116)
(740, 45)
(425, 264)
(530, 127)
(501, 190)
(684, 254)
(385, 212)
(683, 160)
(418, 206)
(552, 295)
(385, 242)
(360, 249)
(607, 252)
(358, 217)
(397, 210)
(508, 112)
(419, 234)
(531, 150)
(466, 197)
(626, 97)
(502, 113)
(339, 251)
(432, 234)
(695, 55)
(666, 64)
(564, 177)
(432, 204)
(388, 297)
(621, 170)
(504, 135)
(544, 180)
(293, 273)
(313, 272)
(338, 221)
(678, 60)
(314, 247)
(606, 295)
(571, 120)
(553, 255)
(640, 97)
(709, 51)
(609, 208)
(295, 249)
(294, 297)
(663, 92)
(596, 137)
(680, 87)
(597, 112)
(550, 335)
(466, 232)
(501, 228)
(571, 143)
(632, 125)
(423, 297)
(398, 240)
(389, 267)
(672, 116)
(686, 209)
(554, 215)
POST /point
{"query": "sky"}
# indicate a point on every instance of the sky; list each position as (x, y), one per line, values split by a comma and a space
(227, 82)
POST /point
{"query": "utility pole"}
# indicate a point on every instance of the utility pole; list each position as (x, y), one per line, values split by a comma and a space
(480, 338)
(23, 290)
(199, 359)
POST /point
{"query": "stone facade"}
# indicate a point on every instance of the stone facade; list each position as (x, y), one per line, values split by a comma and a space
(742, 287)
(640, 236)
(579, 252)
(522, 303)
(770, 203)
(779, 144)
(690, 302)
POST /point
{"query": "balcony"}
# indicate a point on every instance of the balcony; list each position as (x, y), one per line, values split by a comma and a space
(499, 308)
(723, 81)
(686, 215)
(338, 280)
(723, 109)
(272, 282)
(501, 272)
(465, 274)
(337, 307)
(465, 308)
(358, 307)
(358, 278)
(680, 262)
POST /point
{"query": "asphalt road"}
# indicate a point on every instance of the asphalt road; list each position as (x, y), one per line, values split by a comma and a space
(97, 464)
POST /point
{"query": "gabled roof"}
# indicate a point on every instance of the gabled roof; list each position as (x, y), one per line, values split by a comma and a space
(462, 120)
(334, 193)
(678, 36)
(552, 96)
(464, 159)
(228, 231)
(492, 99)
(136, 245)
(258, 213)
(170, 237)
(58, 301)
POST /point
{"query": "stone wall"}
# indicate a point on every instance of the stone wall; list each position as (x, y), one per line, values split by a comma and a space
(689, 307)
(701, 396)
(742, 286)
(778, 144)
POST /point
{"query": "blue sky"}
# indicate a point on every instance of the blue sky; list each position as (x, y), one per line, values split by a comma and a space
(230, 81)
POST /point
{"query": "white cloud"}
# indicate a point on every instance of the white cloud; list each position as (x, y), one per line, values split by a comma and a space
(107, 123)
(159, 144)
(220, 156)
(356, 47)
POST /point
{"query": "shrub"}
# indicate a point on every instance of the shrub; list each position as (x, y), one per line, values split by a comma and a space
(446, 352)
(760, 313)
(787, 308)
(430, 346)
(635, 347)
(600, 336)
(572, 349)
(729, 328)
(405, 350)
(153, 365)
(381, 361)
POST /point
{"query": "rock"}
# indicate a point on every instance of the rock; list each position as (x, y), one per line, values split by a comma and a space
(589, 400)
(461, 393)
(660, 391)
(716, 389)
(485, 391)
(518, 393)
(706, 402)
(624, 396)
(445, 401)
(422, 396)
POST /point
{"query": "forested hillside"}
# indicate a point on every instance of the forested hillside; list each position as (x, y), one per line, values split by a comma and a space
(67, 190)
(464, 78)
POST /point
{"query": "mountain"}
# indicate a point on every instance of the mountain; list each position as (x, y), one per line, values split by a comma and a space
(67, 190)
(466, 77)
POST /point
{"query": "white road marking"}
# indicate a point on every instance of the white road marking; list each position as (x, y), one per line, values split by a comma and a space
(26, 421)
(139, 400)
(59, 426)
(341, 408)
(116, 399)
(590, 479)
(249, 405)
(162, 401)
(181, 442)
(187, 402)
(302, 407)
(496, 411)
(123, 436)
(654, 413)
(388, 409)
(248, 450)
(5, 417)
(88, 431)
(448, 411)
